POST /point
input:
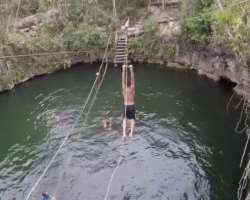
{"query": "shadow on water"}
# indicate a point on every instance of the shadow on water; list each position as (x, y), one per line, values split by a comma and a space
(184, 148)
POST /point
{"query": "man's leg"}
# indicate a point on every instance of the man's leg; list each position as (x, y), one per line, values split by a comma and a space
(124, 125)
(132, 127)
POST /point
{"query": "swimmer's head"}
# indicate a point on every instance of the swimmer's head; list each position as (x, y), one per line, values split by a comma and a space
(106, 123)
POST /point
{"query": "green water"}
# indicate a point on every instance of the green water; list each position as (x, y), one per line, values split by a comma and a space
(184, 147)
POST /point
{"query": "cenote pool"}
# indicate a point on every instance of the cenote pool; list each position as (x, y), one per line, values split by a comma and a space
(184, 147)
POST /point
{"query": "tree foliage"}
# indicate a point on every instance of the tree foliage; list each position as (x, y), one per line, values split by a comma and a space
(197, 20)
(223, 23)
(231, 28)
(64, 26)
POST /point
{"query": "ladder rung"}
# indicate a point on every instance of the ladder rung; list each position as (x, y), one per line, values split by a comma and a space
(120, 56)
(121, 49)
(121, 45)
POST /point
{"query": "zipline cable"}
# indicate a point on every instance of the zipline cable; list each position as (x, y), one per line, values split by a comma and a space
(67, 136)
(99, 82)
(42, 54)
(243, 180)
(105, 58)
(112, 177)
(237, 128)
(244, 152)
(62, 144)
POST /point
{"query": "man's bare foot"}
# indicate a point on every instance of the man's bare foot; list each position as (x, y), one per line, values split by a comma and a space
(130, 135)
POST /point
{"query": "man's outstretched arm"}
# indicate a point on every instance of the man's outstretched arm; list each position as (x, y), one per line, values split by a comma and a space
(132, 75)
(123, 78)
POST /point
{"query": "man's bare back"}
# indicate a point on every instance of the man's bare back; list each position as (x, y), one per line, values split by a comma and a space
(129, 96)
(128, 91)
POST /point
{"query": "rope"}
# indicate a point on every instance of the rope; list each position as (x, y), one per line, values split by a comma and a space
(102, 79)
(243, 180)
(244, 152)
(114, 173)
(245, 176)
(240, 102)
(126, 85)
(126, 95)
(69, 133)
(96, 93)
(112, 177)
(42, 54)
(62, 144)
(230, 101)
(240, 119)
(98, 87)
(244, 119)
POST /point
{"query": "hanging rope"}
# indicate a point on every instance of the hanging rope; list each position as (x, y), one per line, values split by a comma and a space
(43, 54)
(244, 118)
(126, 95)
(244, 152)
(243, 181)
(126, 80)
(102, 75)
(112, 177)
(99, 82)
(242, 113)
(69, 133)
(230, 101)
(62, 144)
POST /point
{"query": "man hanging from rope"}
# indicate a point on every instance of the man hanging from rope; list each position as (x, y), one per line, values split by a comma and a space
(128, 91)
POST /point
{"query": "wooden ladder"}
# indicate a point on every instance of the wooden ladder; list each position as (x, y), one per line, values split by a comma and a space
(158, 3)
(121, 51)
(164, 3)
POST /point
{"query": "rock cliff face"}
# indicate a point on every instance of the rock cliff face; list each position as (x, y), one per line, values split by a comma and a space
(168, 19)
(216, 64)
(210, 61)
(31, 23)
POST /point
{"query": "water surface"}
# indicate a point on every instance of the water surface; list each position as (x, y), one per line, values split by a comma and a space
(184, 147)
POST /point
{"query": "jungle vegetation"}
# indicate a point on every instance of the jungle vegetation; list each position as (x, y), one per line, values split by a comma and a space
(79, 26)
(221, 23)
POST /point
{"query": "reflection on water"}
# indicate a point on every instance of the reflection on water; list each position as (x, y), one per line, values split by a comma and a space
(184, 147)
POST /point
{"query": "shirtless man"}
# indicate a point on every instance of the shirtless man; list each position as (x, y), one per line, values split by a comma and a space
(128, 91)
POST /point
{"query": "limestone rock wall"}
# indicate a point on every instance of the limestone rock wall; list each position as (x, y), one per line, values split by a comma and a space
(216, 64)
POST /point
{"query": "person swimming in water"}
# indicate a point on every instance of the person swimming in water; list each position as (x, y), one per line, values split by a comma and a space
(128, 91)
(107, 123)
